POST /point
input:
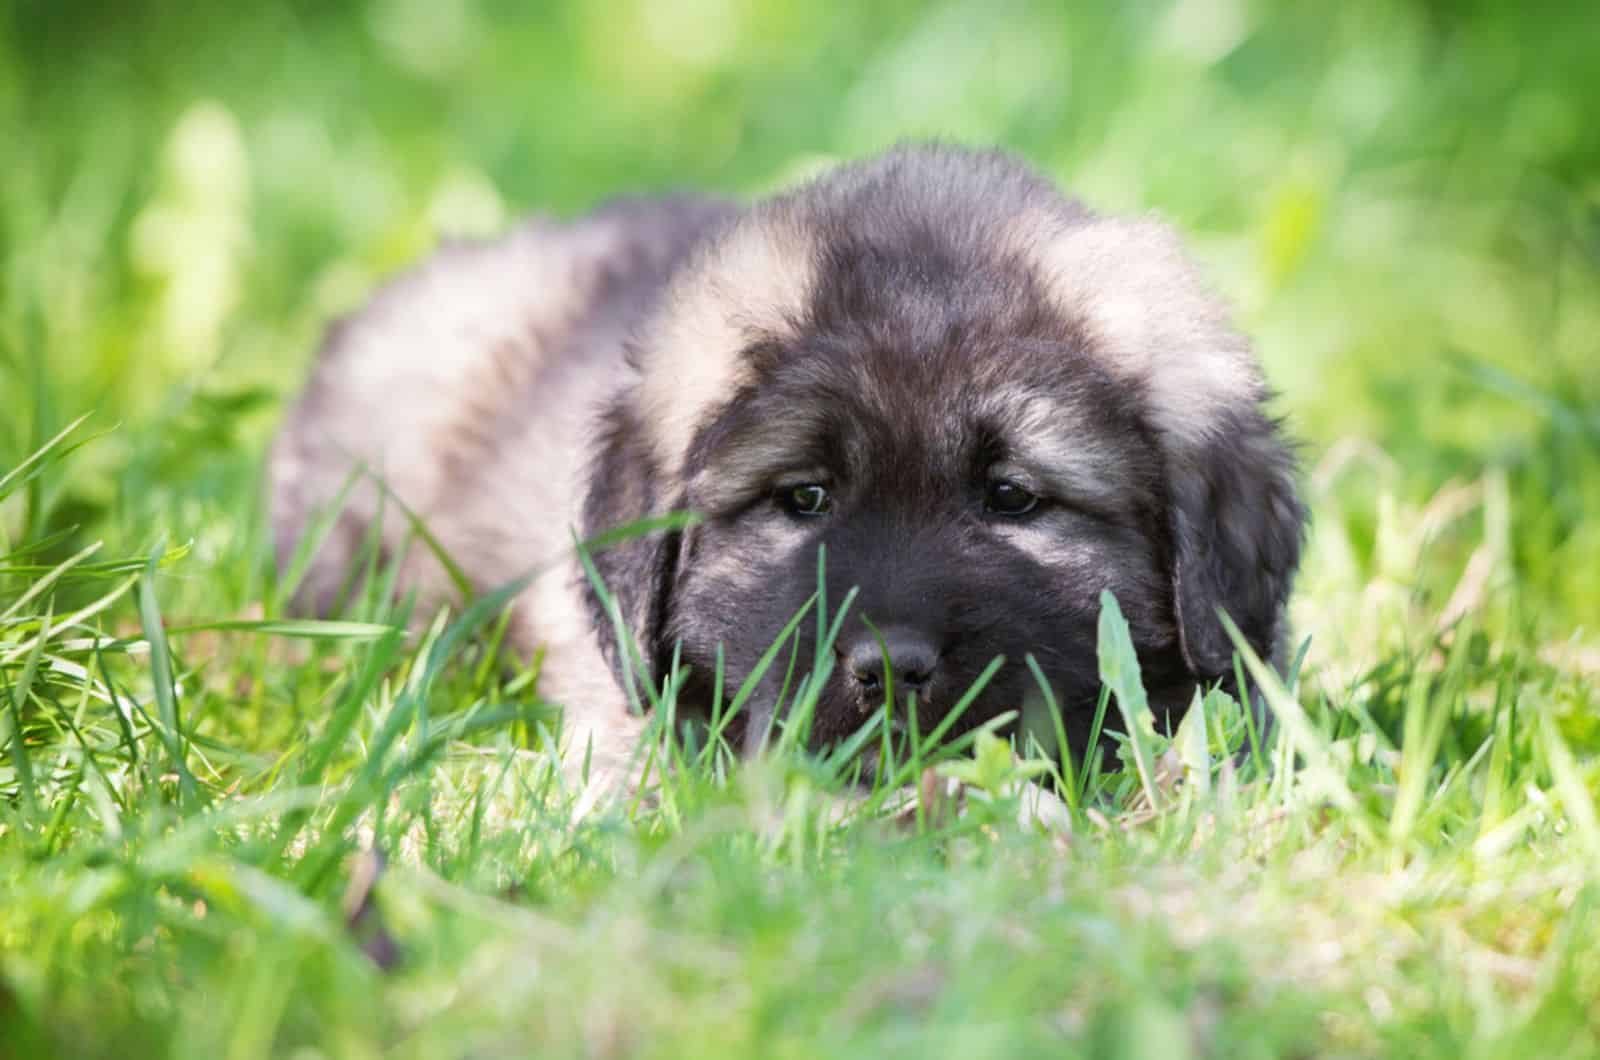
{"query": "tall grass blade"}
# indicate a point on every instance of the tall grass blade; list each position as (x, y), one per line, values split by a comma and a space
(163, 687)
(1119, 671)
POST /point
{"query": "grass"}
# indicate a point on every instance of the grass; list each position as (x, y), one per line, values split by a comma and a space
(226, 831)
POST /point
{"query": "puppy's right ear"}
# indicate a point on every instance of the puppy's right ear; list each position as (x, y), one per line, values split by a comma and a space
(640, 570)
(1151, 319)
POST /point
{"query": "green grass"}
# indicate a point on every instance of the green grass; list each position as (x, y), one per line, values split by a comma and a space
(194, 785)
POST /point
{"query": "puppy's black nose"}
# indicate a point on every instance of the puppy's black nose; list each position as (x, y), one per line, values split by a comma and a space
(912, 657)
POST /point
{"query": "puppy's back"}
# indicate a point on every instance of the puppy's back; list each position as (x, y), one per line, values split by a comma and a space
(469, 378)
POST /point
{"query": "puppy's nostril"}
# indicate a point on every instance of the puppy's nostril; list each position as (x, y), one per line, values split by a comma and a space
(911, 657)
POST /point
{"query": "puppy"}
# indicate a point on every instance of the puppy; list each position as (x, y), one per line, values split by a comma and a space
(986, 402)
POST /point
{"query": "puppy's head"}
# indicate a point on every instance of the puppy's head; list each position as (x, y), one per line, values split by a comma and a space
(988, 405)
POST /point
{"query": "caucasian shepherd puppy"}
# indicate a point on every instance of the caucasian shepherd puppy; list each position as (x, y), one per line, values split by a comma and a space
(988, 402)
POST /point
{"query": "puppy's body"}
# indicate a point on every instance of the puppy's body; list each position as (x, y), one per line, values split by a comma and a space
(468, 388)
(987, 403)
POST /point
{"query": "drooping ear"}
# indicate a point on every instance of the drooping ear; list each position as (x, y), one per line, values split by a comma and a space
(750, 280)
(640, 569)
(1236, 527)
(1151, 319)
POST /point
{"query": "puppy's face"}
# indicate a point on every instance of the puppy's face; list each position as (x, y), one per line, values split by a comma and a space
(984, 408)
(977, 485)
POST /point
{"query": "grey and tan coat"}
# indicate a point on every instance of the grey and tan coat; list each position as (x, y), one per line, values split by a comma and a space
(986, 401)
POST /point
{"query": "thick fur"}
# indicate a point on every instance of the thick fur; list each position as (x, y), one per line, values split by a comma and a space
(904, 331)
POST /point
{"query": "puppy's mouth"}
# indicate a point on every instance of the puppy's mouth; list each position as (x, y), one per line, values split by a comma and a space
(894, 701)
(921, 713)
(924, 714)
(841, 712)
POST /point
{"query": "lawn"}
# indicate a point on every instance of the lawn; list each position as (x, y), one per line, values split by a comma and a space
(227, 832)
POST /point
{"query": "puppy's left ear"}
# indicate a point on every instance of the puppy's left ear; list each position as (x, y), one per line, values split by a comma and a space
(1236, 528)
(639, 572)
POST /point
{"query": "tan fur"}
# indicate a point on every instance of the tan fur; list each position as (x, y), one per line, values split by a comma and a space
(413, 384)
(752, 283)
(1153, 320)
(1041, 429)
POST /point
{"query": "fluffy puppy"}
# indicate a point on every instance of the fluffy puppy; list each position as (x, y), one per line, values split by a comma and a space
(988, 403)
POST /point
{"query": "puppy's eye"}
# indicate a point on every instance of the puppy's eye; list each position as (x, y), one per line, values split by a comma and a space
(1007, 498)
(807, 498)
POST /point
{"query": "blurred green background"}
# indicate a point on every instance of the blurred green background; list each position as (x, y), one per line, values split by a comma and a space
(1401, 198)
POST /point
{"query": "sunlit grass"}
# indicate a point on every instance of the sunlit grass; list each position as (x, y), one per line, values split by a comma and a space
(1409, 861)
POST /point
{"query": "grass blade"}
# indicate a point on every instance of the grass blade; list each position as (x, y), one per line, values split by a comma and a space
(17, 698)
(161, 678)
(1119, 671)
